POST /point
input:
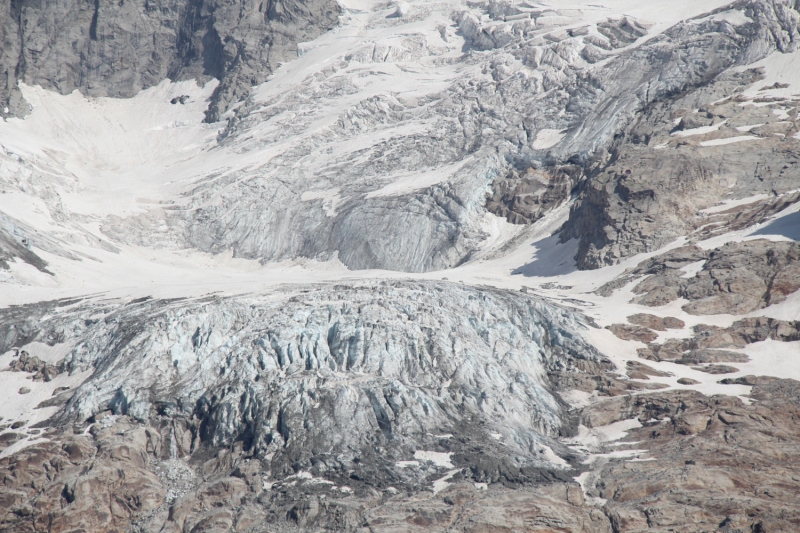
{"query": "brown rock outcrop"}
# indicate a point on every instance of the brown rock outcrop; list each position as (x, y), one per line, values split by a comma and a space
(525, 198)
(718, 464)
(656, 323)
(632, 332)
(736, 278)
(26, 363)
(713, 344)
(94, 482)
(637, 370)
(742, 277)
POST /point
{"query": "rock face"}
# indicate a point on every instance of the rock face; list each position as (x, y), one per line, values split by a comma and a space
(13, 245)
(736, 278)
(109, 49)
(26, 363)
(118, 477)
(713, 344)
(693, 485)
(526, 198)
(672, 160)
(659, 177)
(96, 481)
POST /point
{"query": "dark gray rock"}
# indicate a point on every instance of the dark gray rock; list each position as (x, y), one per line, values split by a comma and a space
(527, 197)
(716, 369)
(117, 49)
(656, 323)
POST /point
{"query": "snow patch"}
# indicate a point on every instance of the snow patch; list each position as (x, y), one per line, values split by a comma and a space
(771, 358)
(546, 138)
(691, 270)
(419, 180)
(441, 483)
(610, 432)
(330, 199)
(119, 149)
(438, 458)
(702, 130)
(578, 398)
(781, 68)
(748, 128)
(729, 140)
(551, 457)
(730, 204)
(734, 17)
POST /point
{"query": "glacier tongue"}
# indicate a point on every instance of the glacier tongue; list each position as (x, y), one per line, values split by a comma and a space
(328, 371)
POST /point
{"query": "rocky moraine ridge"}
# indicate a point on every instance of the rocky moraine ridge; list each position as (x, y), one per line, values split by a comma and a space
(488, 266)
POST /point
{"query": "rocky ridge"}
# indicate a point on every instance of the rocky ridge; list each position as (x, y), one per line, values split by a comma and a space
(697, 484)
(737, 278)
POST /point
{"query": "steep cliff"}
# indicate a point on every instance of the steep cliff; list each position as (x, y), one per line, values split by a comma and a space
(117, 49)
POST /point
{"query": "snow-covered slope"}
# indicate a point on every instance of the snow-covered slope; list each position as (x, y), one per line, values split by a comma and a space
(380, 142)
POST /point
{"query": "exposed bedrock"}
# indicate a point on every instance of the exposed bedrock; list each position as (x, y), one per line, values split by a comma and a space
(527, 197)
(655, 185)
(683, 59)
(118, 476)
(708, 457)
(691, 147)
(736, 278)
(116, 49)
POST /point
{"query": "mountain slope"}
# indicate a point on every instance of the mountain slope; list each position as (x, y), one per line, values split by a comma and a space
(494, 266)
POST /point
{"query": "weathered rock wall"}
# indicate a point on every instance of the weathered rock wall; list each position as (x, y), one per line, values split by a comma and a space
(116, 49)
